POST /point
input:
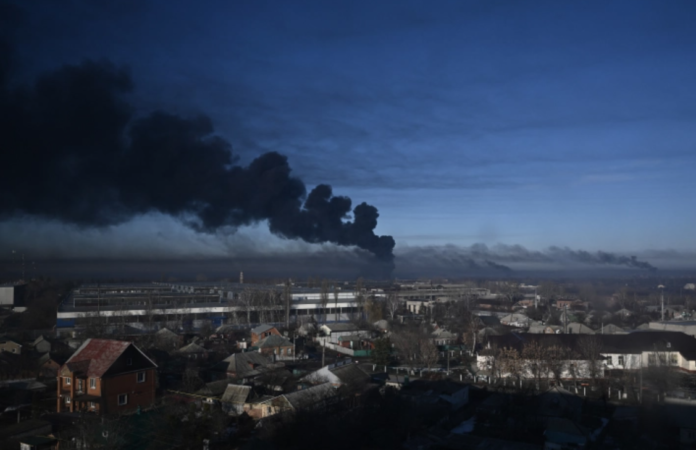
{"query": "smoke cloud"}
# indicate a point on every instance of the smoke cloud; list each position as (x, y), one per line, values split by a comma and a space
(75, 152)
(506, 260)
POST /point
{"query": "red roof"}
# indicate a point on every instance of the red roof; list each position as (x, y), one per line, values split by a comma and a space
(96, 356)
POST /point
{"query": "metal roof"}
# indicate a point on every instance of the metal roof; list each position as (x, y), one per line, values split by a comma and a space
(96, 356)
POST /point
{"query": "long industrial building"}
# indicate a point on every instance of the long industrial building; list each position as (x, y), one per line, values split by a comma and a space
(189, 306)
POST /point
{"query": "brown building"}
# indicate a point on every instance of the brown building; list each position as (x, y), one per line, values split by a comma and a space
(261, 332)
(105, 376)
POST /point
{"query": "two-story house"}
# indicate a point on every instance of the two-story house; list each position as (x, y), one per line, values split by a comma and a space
(106, 376)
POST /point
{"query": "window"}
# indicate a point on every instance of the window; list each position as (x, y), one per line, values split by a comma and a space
(92, 405)
(610, 360)
(67, 399)
(141, 377)
(621, 360)
(673, 360)
(652, 360)
(79, 384)
(68, 380)
(129, 362)
(122, 399)
(92, 383)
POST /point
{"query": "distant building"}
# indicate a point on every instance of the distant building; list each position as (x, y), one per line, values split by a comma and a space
(186, 307)
(261, 332)
(9, 346)
(13, 294)
(106, 377)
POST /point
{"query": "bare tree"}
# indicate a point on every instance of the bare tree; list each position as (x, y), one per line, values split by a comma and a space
(534, 355)
(590, 348)
(511, 363)
(556, 361)
(359, 298)
(414, 345)
(392, 304)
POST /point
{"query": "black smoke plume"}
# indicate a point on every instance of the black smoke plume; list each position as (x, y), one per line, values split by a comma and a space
(75, 152)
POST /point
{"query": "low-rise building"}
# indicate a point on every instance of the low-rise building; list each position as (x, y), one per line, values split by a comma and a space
(10, 346)
(106, 376)
(262, 332)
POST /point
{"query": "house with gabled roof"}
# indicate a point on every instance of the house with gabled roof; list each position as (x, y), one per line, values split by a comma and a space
(106, 376)
(248, 365)
(275, 346)
(263, 331)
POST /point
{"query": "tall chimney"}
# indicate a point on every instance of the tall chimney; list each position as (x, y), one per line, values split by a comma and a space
(241, 277)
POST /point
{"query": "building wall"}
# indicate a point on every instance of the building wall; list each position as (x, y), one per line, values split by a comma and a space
(139, 394)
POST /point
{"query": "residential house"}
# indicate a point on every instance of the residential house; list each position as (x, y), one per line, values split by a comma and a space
(334, 331)
(275, 346)
(516, 320)
(578, 328)
(167, 339)
(212, 392)
(263, 331)
(356, 342)
(312, 398)
(339, 374)
(41, 345)
(247, 365)
(234, 398)
(106, 376)
(49, 364)
(193, 351)
(443, 337)
(10, 346)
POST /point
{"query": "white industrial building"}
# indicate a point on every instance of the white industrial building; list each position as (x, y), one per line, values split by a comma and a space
(186, 306)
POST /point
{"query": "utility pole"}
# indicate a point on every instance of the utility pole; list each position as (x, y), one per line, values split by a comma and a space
(323, 353)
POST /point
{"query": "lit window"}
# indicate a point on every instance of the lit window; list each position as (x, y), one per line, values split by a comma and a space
(68, 380)
(122, 399)
(92, 383)
(141, 377)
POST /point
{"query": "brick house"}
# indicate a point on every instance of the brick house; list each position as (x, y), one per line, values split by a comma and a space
(261, 332)
(106, 376)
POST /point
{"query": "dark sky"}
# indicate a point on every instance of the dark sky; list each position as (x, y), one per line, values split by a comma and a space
(504, 123)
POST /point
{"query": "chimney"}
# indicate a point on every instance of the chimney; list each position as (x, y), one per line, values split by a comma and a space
(241, 277)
